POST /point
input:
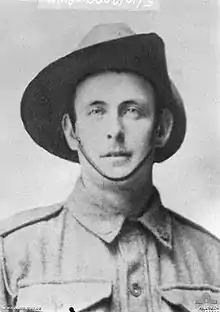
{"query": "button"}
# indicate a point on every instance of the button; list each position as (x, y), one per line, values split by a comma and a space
(136, 290)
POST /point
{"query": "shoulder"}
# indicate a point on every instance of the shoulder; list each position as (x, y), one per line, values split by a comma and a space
(191, 228)
(29, 217)
(197, 248)
(195, 242)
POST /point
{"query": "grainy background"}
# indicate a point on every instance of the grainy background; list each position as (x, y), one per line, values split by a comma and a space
(30, 38)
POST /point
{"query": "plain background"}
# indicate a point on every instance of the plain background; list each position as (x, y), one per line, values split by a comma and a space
(31, 38)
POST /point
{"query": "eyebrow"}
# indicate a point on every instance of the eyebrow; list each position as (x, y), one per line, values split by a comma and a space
(127, 102)
(133, 101)
(97, 102)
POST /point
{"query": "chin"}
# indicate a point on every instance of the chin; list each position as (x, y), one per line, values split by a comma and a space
(117, 173)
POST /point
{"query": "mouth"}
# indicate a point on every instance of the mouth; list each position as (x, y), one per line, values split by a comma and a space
(119, 154)
(117, 158)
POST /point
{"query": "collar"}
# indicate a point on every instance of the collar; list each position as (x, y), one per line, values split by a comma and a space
(157, 219)
(107, 225)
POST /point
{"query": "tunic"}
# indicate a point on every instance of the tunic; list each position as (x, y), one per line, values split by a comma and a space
(71, 257)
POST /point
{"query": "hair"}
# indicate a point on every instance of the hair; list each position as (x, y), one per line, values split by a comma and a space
(71, 104)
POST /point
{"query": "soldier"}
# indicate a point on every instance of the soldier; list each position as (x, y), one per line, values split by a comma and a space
(111, 246)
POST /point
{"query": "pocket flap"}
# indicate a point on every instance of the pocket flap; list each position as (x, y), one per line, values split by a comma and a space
(193, 298)
(60, 297)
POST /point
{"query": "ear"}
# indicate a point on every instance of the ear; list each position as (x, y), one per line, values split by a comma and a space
(164, 128)
(69, 133)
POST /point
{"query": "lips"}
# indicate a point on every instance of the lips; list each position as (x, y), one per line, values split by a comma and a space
(117, 154)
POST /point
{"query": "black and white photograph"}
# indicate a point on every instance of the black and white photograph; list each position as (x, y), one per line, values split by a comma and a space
(110, 155)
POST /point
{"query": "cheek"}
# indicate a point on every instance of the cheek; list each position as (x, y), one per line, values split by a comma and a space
(89, 134)
(141, 136)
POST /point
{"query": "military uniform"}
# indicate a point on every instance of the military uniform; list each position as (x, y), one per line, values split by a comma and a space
(67, 255)
(78, 253)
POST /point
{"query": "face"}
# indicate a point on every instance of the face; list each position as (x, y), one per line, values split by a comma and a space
(115, 118)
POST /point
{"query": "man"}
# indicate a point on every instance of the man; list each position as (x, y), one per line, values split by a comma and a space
(111, 246)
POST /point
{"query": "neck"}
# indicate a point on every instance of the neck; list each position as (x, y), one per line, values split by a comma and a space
(128, 197)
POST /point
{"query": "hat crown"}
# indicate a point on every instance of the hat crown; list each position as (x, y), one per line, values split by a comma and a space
(105, 32)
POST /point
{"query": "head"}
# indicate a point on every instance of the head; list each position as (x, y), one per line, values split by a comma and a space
(118, 122)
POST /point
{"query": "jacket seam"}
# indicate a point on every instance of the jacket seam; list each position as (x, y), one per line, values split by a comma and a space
(91, 281)
(3, 268)
(214, 288)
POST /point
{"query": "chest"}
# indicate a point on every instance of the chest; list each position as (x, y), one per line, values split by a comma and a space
(133, 273)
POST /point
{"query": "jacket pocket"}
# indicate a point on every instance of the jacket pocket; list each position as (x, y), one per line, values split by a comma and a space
(190, 298)
(60, 297)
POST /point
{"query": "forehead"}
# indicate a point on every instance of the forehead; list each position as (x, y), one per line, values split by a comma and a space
(113, 86)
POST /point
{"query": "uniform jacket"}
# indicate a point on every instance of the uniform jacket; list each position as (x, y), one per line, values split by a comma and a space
(54, 258)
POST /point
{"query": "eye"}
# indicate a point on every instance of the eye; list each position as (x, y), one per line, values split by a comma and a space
(96, 111)
(133, 111)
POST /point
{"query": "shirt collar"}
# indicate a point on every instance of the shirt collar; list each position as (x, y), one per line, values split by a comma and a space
(107, 226)
(158, 220)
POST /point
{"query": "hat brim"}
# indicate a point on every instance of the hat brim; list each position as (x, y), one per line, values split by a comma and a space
(46, 98)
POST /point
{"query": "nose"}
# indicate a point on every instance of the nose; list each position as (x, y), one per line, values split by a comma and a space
(115, 129)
